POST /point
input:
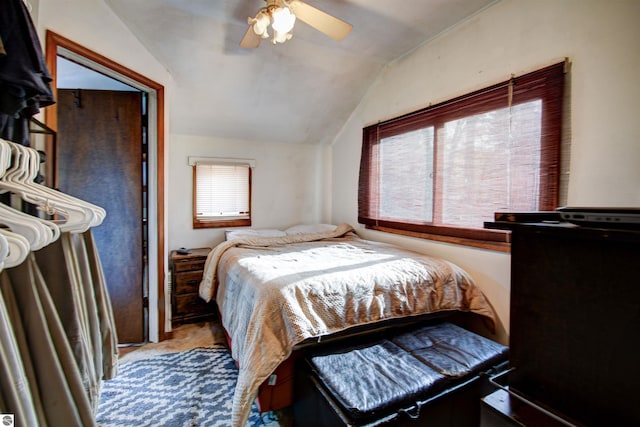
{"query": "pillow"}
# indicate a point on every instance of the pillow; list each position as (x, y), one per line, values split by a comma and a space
(310, 228)
(252, 232)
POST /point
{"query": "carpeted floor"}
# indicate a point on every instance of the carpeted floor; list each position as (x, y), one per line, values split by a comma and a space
(187, 380)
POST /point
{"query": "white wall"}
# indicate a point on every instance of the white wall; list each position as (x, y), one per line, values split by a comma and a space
(515, 36)
(287, 186)
(92, 24)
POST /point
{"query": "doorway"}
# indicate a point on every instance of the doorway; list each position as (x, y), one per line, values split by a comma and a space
(101, 159)
(58, 46)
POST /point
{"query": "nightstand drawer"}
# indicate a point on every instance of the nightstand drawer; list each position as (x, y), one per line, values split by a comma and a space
(188, 282)
(188, 264)
(190, 304)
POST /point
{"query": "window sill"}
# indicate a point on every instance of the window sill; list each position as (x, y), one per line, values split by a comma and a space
(482, 244)
(222, 223)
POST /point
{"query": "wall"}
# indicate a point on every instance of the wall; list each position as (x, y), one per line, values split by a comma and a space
(92, 24)
(286, 185)
(515, 36)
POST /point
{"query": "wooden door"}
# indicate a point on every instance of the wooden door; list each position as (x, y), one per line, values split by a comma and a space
(100, 160)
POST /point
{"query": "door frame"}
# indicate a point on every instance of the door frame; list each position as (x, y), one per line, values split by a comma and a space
(59, 45)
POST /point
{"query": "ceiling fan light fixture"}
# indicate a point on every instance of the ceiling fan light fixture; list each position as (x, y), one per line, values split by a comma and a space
(279, 37)
(260, 24)
(283, 19)
(281, 15)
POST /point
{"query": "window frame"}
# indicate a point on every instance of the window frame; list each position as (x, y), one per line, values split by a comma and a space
(219, 223)
(546, 84)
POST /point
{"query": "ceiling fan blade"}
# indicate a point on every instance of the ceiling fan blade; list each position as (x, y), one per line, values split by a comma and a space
(250, 40)
(321, 21)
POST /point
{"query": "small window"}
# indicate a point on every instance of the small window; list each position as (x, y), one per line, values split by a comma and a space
(446, 169)
(221, 195)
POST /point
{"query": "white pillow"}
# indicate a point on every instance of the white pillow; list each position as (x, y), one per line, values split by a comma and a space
(310, 228)
(252, 232)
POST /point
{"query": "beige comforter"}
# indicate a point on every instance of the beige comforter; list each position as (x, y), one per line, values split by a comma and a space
(275, 292)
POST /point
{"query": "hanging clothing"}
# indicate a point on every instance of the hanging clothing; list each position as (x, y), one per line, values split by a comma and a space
(6, 289)
(57, 379)
(73, 274)
(15, 395)
(108, 333)
(58, 338)
(60, 274)
(25, 81)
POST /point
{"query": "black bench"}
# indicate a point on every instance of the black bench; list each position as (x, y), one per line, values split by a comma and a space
(426, 376)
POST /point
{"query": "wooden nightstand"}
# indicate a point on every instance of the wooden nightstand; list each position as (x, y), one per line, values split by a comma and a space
(186, 274)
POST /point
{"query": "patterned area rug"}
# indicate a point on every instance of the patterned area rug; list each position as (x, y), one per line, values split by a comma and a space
(186, 389)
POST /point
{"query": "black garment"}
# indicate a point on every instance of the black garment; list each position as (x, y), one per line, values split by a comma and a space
(24, 78)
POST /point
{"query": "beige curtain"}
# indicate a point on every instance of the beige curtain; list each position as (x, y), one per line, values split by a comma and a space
(56, 379)
(58, 338)
(108, 334)
(14, 387)
(60, 270)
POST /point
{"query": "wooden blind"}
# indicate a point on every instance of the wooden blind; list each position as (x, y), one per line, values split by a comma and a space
(447, 168)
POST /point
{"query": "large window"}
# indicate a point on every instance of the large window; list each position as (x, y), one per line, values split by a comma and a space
(221, 193)
(446, 169)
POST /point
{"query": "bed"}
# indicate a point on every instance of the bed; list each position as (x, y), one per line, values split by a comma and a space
(276, 293)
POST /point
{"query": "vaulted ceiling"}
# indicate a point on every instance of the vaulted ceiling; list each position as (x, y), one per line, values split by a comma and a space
(302, 91)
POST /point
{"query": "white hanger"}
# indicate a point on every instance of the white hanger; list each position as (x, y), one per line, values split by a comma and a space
(37, 234)
(78, 218)
(4, 250)
(29, 168)
(29, 179)
(37, 231)
(17, 248)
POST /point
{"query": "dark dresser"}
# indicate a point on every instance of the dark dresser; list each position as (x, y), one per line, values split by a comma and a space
(186, 274)
(575, 322)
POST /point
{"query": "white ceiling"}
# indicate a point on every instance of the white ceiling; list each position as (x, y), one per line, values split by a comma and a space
(70, 75)
(301, 91)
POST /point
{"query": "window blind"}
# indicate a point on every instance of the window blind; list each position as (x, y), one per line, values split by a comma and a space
(448, 168)
(222, 191)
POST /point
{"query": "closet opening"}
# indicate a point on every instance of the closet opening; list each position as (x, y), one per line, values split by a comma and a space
(109, 124)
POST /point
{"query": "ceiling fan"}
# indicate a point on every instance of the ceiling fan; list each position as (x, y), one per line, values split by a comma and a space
(281, 15)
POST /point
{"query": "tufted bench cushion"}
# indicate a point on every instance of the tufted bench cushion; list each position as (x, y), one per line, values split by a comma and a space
(451, 350)
(398, 375)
